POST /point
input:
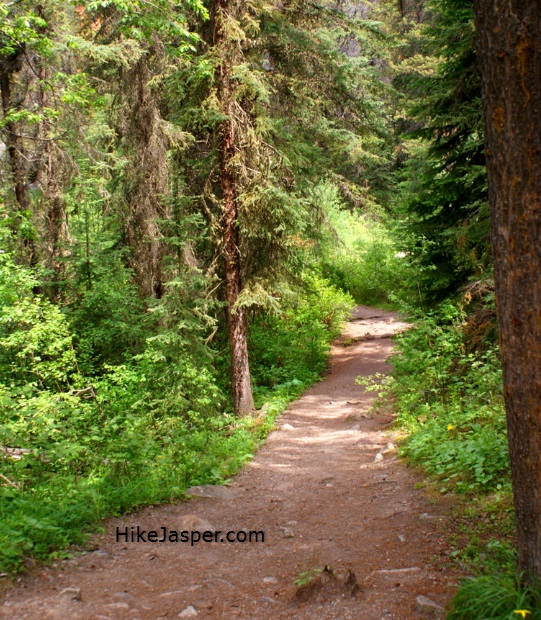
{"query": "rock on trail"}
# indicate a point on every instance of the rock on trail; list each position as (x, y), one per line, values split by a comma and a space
(340, 514)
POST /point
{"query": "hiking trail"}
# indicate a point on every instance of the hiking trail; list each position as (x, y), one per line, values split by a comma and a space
(326, 489)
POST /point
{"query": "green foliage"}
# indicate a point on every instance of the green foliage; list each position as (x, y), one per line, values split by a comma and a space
(358, 251)
(81, 441)
(140, 434)
(36, 347)
(109, 316)
(451, 403)
(496, 597)
(291, 347)
(75, 449)
(443, 199)
(22, 25)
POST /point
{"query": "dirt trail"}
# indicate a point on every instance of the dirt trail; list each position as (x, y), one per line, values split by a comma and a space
(319, 495)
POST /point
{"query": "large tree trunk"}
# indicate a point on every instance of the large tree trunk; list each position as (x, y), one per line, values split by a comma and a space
(240, 372)
(509, 45)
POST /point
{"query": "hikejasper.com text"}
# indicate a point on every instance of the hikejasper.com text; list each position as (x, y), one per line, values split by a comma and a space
(134, 534)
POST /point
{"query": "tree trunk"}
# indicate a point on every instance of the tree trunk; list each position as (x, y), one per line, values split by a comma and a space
(14, 145)
(509, 46)
(50, 177)
(240, 372)
(9, 66)
(146, 176)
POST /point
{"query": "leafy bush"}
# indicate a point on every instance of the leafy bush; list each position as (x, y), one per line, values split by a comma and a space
(141, 434)
(292, 346)
(75, 448)
(359, 254)
(108, 317)
(451, 403)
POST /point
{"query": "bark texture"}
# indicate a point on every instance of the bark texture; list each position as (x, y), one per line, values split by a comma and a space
(240, 371)
(509, 46)
(11, 67)
(14, 146)
(147, 174)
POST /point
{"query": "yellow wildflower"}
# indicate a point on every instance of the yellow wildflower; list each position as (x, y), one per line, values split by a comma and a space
(522, 612)
(450, 427)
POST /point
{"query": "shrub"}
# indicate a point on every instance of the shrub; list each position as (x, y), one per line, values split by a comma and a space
(359, 253)
(451, 403)
(292, 346)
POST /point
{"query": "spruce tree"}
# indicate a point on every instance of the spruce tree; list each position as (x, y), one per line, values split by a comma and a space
(445, 202)
(274, 105)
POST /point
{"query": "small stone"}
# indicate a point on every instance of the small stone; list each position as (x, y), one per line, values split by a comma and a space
(211, 491)
(390, 447)
(427, 607)
(287, 532)
(401, 538)
(125, 597)
(425, 515)
(269, 600)
(287, 427)
(204, 604)
(118, 606)
(270, 580)
(195, 524)
(73, 593)
(292, 523)
(379, 457)
(329, 484)
(189, 612)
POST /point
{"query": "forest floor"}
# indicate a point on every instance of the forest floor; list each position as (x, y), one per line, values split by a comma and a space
(322, 496)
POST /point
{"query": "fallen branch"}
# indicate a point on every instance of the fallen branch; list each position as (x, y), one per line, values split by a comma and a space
(12, 484)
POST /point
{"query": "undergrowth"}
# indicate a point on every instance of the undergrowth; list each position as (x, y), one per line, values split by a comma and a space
(359, 254)
(496, 596)
(79, 443)
(450, 401)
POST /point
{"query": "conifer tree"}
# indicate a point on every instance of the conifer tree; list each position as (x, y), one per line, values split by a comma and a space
(274, 105)
(226, 48)
(445, 200)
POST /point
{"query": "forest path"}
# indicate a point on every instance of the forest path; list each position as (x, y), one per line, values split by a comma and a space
(319, 495)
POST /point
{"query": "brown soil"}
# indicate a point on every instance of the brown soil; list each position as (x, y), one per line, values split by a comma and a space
(322, 500)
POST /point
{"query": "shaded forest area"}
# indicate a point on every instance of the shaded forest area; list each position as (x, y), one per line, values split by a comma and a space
(194, 195)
